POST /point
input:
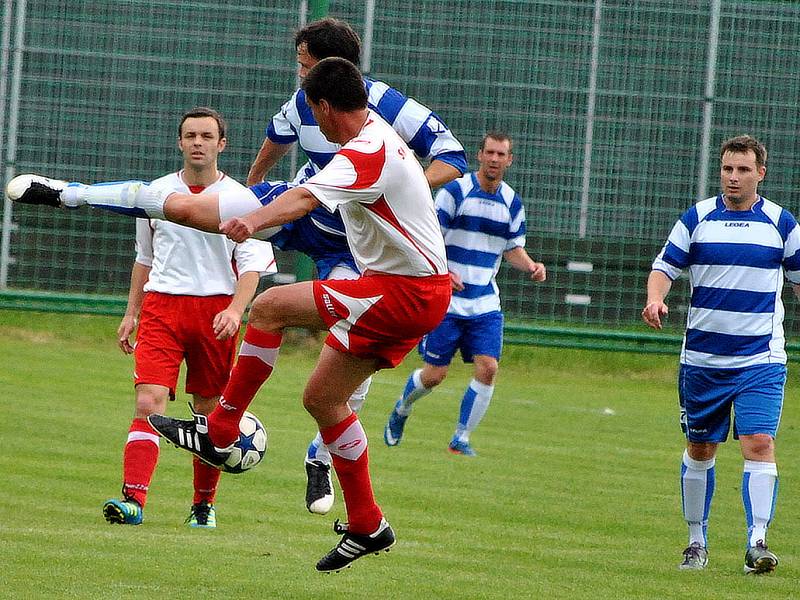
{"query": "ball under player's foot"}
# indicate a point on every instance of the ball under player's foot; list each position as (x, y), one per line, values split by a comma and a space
(191, 435)
(353, 546)
(35, 189)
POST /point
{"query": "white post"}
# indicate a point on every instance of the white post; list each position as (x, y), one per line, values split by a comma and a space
(302, 19)
(369, 24)
(11, 144)
(708, 101)
(590, 106)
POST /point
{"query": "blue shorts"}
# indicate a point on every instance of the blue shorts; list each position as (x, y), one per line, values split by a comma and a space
(476, 335)
(707, 395)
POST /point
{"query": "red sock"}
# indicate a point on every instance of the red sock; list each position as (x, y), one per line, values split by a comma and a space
(206, 479)
(347, 443)
(139, 460)
(257, 356)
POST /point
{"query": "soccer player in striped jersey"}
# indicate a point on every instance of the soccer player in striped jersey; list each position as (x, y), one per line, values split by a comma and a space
(422, 130)
(737, 247)
(483, 221)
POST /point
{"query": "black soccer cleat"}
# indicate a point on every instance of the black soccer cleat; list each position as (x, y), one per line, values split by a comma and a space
(35, 189)
(353, 546)
(319, 491)
(758, 559)
(191, 435)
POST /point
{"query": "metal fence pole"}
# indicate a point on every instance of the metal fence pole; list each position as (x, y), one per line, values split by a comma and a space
(708, 100)
(369, 25)
(11, 144)
(590, 107)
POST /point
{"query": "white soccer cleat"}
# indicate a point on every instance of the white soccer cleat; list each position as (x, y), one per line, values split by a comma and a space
(35, 189)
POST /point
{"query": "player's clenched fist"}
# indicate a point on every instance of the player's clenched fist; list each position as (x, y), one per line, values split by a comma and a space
(237, 229)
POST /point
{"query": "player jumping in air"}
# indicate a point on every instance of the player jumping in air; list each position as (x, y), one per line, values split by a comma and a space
(385, 201)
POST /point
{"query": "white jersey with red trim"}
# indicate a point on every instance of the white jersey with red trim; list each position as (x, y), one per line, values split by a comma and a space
(185, 261)
(381, 192)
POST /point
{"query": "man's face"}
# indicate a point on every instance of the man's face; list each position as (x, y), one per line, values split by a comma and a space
(200, 142)
(304, 60)
(494, 159)
(739, 176)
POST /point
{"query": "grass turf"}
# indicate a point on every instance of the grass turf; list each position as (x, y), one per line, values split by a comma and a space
(574, 493)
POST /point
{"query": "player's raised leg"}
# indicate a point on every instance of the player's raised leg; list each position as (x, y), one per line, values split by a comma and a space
(272, 311)
(137, 199)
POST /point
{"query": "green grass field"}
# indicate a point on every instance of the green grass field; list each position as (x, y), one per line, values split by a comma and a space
(574, 493)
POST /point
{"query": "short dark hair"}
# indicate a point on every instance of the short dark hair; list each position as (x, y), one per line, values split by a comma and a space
(338, 81)
(330, 37)
(744, 143)
(498, 136)
(203, 111)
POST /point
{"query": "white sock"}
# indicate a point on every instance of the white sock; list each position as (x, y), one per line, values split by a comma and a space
(133, 198)
(698, 479)
(413, 391)
(473, 406)
(759, 492)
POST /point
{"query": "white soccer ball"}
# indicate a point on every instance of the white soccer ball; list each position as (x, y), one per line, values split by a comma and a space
(249, 449)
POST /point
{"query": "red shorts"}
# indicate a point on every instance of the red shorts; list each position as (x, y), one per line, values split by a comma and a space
(174, 328)
(381, 316)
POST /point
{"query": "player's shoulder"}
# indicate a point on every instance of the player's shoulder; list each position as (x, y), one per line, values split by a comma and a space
(508, 194)
(168, 180)
(226, 182)
(701, 210)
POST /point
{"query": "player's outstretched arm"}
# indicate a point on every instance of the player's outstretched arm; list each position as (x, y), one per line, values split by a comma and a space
(289, 206)
(658, 286)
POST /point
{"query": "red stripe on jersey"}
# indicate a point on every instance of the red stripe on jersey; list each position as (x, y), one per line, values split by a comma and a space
(381, 208)
(368, 167)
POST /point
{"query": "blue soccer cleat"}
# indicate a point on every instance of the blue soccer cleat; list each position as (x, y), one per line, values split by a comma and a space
(393, 432)
(462, 448)
(123, 512)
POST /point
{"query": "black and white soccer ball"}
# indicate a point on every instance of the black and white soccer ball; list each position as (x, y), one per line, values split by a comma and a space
(249, 449)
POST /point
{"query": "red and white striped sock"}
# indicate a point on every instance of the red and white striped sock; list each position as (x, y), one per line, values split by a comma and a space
(139, 460)
(257, 357)
(347, 443)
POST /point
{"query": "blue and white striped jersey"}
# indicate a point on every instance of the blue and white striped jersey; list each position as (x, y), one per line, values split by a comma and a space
(420, 128)
(736, 262)
(478, 228)
(319, 235)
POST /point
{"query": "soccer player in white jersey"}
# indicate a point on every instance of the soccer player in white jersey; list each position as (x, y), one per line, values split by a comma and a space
(737, 247)
(423, 131)
(385, 201)
(483, 221)
(188, 302)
